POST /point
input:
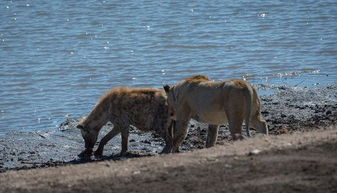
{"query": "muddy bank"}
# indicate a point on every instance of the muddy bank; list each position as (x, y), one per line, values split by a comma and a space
(289, 109)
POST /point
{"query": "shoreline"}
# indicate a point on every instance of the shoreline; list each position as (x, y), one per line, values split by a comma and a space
(290, 109)
(304, 161)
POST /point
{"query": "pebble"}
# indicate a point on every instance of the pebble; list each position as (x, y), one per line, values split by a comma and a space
(136, 172)
(212, 159)
(254, 152)
(107, 164)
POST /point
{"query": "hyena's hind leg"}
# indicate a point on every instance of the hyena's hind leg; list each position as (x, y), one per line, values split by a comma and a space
(212, 135)
(116, 130)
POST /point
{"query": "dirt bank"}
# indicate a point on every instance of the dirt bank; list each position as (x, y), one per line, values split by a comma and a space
(288, 110)
(301, 162)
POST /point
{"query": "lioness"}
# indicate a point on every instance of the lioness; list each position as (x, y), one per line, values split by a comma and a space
(144, 108)
(229, 101)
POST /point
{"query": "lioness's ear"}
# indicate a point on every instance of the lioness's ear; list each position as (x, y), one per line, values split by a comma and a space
(80, 127)
(166, 88)
(82, 119)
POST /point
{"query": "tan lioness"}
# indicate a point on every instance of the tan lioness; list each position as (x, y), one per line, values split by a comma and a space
(229, 101)
(144, 108)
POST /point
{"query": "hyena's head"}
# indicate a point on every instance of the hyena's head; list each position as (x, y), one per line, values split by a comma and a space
(89, 134)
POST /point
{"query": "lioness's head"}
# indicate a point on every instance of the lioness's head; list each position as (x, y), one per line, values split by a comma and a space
(89, 135)
(171, 101)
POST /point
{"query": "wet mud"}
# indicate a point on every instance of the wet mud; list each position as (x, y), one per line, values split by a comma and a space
(288, 109)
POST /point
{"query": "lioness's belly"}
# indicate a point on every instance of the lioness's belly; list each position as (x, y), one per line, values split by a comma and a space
(215, 118)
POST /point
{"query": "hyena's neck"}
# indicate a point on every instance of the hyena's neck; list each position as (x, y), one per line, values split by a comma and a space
(98, 117)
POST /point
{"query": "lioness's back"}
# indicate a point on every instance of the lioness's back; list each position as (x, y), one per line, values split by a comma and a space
(197, 78)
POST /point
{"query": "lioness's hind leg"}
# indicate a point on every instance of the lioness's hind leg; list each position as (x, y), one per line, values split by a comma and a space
(212, 135)
(105, 140)
(235, 125)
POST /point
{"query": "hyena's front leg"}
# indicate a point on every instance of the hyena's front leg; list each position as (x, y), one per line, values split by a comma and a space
(105, 140)
(180, 132)
(212, 135)
(125, 140)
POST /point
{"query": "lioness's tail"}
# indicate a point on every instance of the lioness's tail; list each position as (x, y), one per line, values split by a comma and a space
(249, 94)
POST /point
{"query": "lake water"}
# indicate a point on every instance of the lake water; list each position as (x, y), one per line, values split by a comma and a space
(58, 57)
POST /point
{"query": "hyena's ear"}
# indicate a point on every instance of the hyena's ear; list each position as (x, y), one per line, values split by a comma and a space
(166, 88)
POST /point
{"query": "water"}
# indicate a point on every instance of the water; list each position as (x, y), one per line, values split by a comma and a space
(58, 57)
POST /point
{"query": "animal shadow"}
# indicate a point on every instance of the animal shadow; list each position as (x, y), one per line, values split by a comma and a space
(113, 157)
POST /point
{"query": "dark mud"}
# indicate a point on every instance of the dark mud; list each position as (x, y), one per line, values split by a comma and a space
(288, 110)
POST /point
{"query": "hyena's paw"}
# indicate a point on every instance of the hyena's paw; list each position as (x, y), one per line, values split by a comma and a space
(98, 153)
(123, 154)
(167, 149)
(85, 154)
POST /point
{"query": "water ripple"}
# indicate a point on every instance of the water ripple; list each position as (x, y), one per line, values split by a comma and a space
(58, 57)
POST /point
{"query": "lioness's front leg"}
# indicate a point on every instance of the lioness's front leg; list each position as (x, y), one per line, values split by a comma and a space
(212, 135)
(168, 136)
(105, 140)
(180, 132)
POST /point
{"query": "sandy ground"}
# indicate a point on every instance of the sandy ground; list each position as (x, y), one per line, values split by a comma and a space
(297, 162)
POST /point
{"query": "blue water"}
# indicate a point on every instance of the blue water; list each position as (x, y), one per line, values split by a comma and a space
(58, 57)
